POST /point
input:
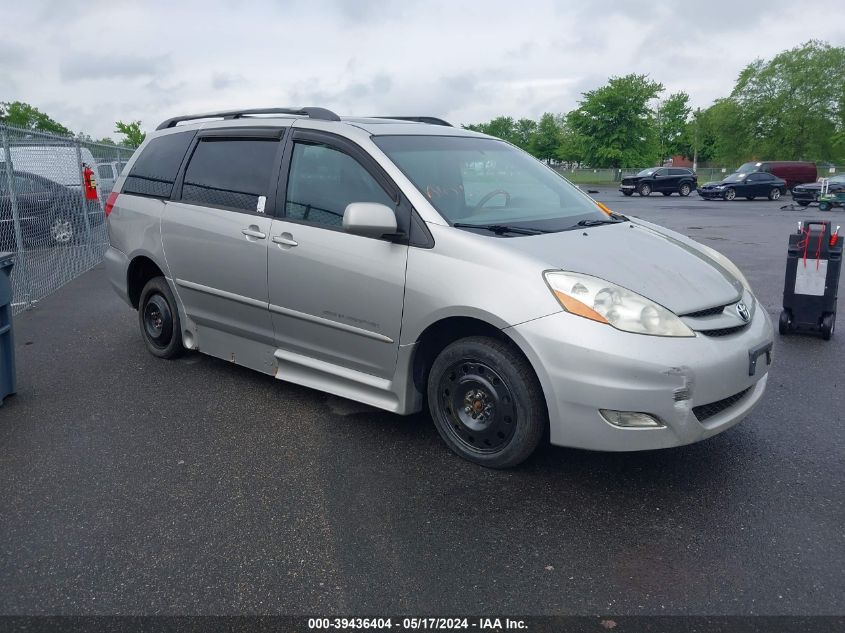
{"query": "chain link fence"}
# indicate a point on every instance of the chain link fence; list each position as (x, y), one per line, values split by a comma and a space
(51, 216)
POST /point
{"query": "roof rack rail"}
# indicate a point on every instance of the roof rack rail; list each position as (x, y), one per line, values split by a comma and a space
(431, 120)
(314, 113)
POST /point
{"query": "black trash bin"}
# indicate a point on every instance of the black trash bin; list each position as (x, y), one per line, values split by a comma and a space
(811, 286)
(7, 343)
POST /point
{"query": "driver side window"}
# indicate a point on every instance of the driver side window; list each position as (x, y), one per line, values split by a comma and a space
(323, 181)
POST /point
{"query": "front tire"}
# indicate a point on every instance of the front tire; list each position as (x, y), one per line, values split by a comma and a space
(645, 189)
(774, 194)
(729, 194)
(158, 317)
(685, 190)
(486, 402)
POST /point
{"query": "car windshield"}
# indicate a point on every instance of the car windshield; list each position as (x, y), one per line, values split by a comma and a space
(747, 168)
(484, 182)
(648, 172)
(736, 177)
(839, 180)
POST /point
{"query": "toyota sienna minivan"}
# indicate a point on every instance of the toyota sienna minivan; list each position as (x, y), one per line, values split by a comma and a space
(411, 265)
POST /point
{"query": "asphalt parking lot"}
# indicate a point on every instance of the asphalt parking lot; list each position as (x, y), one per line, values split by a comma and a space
(138, 486)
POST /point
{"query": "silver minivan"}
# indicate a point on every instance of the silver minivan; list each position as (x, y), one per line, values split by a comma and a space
(411, 264)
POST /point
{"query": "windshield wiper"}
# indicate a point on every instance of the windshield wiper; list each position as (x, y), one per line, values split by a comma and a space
(499, 229)
(598, 222)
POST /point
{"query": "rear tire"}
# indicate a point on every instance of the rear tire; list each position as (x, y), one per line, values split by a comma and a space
(785, 323)
(774, 194)
(685, 190)
(824, 206)
(486, 402)
(158, 317)
(828, 326)
(645, 189)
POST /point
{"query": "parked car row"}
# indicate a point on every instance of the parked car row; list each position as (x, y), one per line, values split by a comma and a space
(769, 179)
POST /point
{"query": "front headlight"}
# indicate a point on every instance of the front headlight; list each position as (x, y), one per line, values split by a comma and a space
(727, 264)
(602, 301)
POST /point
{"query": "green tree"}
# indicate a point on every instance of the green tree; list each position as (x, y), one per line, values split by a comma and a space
(617, 122)
(793, 106)
(29, 117)
(546, 139)
(672, 115)
(523, 132)
(572, 144)
(132, 134)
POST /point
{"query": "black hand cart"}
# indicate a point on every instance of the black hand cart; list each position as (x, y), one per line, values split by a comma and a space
(812, 280)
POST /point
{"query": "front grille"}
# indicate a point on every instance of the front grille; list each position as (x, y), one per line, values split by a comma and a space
(705, 411)
(706, 313)
(725, 331)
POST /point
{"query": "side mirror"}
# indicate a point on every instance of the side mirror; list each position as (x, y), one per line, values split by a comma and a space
(369, 219)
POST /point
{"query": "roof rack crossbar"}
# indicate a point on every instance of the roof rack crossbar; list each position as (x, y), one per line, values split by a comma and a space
(313, 113)
(431, 120)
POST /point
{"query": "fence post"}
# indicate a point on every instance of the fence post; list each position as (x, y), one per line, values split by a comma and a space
(16, 222)
(88, 236)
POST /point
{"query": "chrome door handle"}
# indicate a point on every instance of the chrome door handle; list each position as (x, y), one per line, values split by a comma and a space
(254, 232)
(286, 239)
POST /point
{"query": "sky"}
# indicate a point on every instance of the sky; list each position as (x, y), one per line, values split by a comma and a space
(90, 64)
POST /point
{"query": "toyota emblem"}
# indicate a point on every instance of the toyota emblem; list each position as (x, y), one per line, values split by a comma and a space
(742, 311)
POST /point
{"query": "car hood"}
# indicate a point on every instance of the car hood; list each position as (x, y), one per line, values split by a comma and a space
(663, 266)
(714, 183)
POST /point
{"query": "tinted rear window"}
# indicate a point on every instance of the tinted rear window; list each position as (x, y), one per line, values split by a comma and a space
(230, 173)
(154, 173)
(680, 172)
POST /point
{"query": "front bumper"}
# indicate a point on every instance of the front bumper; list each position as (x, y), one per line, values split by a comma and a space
(711, 193)
(585, 366)
(805, 196)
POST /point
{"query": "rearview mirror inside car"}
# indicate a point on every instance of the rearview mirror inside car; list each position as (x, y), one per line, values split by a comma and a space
(369, 219)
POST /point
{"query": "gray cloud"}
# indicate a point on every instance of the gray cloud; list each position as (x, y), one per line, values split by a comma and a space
(465, 61)
(224, 80)
(84, 66)
(11, 54)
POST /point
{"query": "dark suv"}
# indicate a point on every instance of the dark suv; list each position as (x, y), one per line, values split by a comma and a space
(666, 180)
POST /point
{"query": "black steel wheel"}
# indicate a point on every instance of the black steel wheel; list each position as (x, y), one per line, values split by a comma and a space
(158, 317)
(785, 323)
(486, 402)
